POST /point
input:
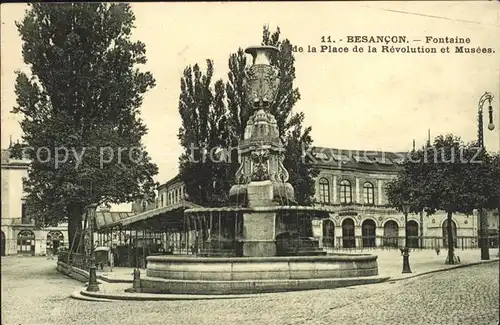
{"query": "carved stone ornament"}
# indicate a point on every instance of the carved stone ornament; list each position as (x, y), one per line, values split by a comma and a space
(260, 160)
(261, 79)
(281, 175)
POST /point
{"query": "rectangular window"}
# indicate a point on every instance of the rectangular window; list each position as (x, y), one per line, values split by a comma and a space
(345, 194)
(324, 193)
(368, 197)
(24, 215)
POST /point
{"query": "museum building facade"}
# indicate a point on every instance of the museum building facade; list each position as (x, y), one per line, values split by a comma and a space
(352, 184)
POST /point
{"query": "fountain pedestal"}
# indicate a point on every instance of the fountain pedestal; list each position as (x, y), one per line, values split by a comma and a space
(258, 231)
(259, 226)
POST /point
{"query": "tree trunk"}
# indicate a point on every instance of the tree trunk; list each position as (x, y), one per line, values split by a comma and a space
(75, 228)
(450, 259)
(498, 234)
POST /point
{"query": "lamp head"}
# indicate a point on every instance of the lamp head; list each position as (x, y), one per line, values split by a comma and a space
(491, 126)
(406, 206)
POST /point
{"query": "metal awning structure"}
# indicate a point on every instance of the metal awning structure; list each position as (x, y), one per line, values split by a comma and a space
(169, 217)
(107, 219)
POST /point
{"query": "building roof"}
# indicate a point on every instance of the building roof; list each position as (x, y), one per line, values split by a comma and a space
(171, 181)
(367, 160)
(105, 219)
(333, 158)
(181, 205)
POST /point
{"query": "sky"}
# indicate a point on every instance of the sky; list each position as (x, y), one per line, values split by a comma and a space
(372, 101)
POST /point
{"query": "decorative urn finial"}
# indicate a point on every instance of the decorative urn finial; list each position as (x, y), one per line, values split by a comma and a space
(261, 150)
(262, 79)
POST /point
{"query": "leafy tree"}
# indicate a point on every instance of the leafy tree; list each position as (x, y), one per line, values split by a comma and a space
(203, 135)
(449, 176)
(493, 182)
(80, 108)
(297, 139)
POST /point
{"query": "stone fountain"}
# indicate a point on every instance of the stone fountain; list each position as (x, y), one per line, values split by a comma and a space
(268, 237)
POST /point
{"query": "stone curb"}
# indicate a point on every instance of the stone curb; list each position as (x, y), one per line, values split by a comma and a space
(167, 297)
(112, 280)
(78, 296)
(445, 269)
(158, 297)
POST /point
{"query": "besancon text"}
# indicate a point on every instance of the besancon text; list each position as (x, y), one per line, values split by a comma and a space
(376, 39)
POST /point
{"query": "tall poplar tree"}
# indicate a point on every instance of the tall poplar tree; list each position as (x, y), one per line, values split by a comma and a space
(204, 136)
(80, 110)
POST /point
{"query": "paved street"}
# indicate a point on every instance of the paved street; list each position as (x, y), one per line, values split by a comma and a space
(34, 293)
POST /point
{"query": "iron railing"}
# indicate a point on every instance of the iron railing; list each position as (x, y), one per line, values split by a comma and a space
(78, 260)
(416, 242)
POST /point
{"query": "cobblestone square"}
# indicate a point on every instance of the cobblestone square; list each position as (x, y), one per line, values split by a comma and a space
(34, 293)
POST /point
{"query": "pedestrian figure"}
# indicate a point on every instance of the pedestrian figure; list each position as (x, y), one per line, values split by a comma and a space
(438, 251)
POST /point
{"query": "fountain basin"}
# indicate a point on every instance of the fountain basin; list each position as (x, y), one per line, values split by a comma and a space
(243, 275)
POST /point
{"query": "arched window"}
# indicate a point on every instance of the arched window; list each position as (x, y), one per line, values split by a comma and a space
(412, 229)
(54, 240)
(391, 234)
(345, 191)
(348, 237)
(328, 233)
(161, 199)
(324, 191)
(368, 233)
(368, 193)
(26, 242)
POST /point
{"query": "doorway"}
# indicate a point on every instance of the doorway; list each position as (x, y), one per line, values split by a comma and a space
(26, 242)
(55, 239)
(2, 243)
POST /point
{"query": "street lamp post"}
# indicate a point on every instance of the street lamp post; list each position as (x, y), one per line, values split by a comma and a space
(93, 286)
(406, 253)
(483, 239)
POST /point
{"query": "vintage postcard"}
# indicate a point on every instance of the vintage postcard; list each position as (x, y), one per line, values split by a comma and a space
(250, 162)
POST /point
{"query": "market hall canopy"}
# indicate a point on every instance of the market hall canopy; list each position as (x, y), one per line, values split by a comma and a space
(163, 218)
(108, 219)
